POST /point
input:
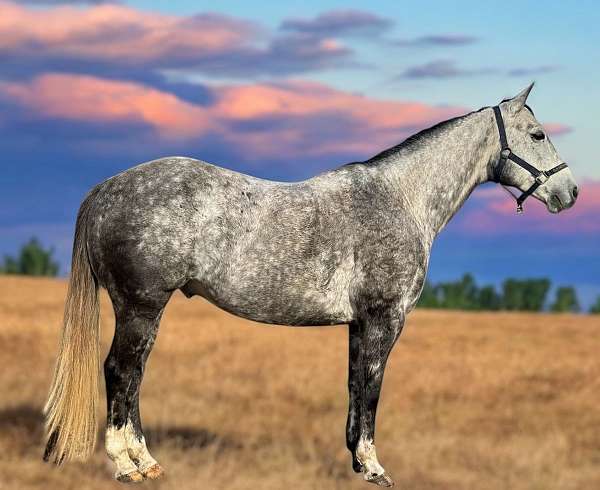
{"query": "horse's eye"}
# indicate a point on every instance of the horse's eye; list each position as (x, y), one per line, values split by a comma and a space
(538, 135)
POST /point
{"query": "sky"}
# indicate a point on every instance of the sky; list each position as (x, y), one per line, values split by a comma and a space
(285, 90)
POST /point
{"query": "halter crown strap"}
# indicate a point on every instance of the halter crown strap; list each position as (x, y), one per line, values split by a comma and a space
(540, 176)
(504, 149)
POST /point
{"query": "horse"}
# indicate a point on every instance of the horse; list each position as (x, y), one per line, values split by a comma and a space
(348, 246)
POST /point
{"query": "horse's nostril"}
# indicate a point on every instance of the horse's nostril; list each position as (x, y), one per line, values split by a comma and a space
(575, 192)
(556, 202)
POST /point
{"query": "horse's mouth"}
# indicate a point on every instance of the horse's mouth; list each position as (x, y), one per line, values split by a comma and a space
(556, 204)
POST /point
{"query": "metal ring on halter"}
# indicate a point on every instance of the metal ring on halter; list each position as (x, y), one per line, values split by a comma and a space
(542, 178)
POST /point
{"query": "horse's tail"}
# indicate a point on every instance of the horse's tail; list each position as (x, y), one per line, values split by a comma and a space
(73, 399)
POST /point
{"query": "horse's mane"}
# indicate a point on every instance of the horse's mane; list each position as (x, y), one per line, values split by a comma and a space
(415, 139)
(421, 136)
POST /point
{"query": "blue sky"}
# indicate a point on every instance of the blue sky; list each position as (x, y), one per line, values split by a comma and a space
(293, 85)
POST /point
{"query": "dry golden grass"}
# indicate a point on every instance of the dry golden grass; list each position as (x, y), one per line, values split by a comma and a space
(470, 401)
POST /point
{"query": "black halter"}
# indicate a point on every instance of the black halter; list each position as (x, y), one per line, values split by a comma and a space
(540, 176)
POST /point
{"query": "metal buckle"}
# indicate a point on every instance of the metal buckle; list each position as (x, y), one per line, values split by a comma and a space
(505, 153)
(542, 178)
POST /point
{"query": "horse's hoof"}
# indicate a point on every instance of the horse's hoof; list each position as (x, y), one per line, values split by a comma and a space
(131, 477)
(154, 472)
(383, 480)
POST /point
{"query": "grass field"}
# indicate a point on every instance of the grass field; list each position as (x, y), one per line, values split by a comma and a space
(470, 401)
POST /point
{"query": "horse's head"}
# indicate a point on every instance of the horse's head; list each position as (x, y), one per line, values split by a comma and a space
(529, 143)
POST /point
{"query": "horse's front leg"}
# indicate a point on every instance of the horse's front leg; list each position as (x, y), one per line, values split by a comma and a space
(375, 333)
(353, 421)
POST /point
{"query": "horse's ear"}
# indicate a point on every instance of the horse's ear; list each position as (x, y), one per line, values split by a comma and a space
(518, 101)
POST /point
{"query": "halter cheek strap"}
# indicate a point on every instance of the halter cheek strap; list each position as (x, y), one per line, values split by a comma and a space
(506, 154)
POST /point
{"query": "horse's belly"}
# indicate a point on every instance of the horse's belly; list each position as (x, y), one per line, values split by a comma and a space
(284, 305)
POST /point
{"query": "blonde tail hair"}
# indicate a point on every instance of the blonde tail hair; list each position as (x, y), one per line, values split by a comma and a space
(73, 400)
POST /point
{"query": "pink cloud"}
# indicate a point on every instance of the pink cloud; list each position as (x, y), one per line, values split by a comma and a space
(380, 123)
(557, 129)
(360, 124)
(109, 31)
(100, 38)
(86, 98)
(493, 212)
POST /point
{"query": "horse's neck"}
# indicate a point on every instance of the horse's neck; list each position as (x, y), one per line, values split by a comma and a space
(434, 177)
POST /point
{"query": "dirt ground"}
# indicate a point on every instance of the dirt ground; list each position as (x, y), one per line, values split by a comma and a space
(470, 400)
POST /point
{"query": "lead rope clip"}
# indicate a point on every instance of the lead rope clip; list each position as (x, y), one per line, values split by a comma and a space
(519, 204)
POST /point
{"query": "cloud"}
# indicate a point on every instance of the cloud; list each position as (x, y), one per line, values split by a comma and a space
(339, 23)
(438, 40)
(369, 124)
(116, 32)
(62, 2)
(442, 69)
(87, 98)
(532, 71)
(557, 129)
(261, 120)
(117, 40)
(446, 68)
(492, 212)
(284, 55)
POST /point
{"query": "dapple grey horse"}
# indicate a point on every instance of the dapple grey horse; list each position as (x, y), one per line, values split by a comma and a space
(349, 246)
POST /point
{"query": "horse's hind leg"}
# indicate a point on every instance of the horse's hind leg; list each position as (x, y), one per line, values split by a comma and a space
(137, 322)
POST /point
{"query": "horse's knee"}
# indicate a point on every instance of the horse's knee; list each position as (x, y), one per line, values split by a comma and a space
(112, 370)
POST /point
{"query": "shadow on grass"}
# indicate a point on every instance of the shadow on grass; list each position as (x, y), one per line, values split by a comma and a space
(22, 430)
(183, 437)
(22, 437)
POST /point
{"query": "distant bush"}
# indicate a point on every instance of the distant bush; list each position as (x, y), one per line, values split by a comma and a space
(489, 299)
(460, 295)
(33, 260)
(595, 308)
(566, 300)
(524, 294)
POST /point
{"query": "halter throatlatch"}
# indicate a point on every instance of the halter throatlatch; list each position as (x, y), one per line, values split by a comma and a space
(540, 176)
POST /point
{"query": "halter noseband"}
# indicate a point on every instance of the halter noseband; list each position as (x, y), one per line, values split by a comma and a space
(540, 176)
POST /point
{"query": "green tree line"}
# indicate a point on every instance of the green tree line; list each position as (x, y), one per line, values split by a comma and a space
(513, 295)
